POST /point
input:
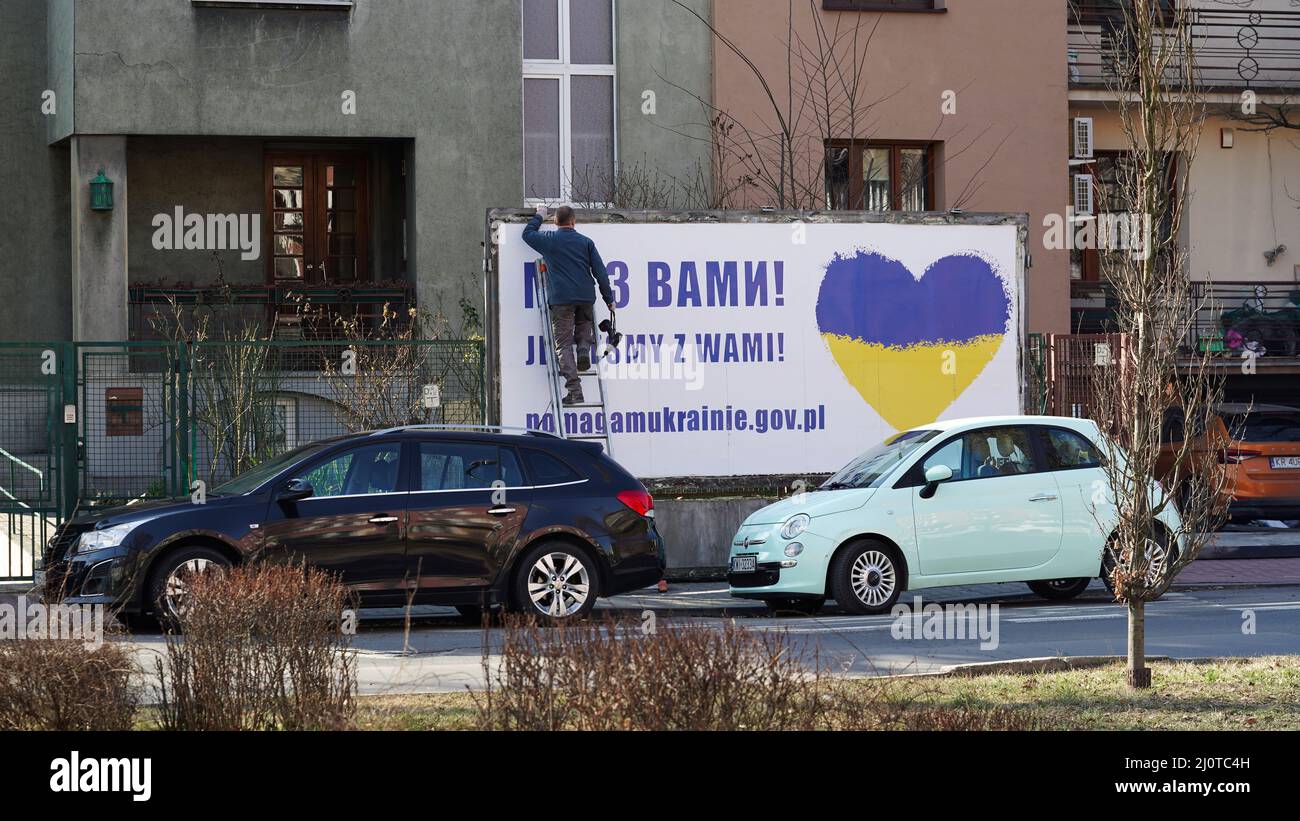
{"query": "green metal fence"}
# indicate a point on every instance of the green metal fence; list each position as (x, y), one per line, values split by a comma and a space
(96, 424)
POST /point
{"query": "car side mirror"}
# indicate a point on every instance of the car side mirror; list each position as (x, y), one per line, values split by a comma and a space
(295, 489)
(934, 477)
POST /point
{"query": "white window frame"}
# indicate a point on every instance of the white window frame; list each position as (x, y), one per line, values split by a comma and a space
(563, 71)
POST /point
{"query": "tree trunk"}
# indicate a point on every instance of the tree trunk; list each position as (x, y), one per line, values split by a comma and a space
(1139, 675)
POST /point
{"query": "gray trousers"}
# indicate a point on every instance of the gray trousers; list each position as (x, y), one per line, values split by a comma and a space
(572, 325)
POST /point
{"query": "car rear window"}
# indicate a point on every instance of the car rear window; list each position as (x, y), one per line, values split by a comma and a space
(1264, 426)
(548, 470)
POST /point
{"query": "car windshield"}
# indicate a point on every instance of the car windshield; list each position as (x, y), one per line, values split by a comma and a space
(870, 469)
(1264, 426)
(253, 478)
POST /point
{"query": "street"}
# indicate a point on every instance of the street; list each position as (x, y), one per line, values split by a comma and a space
(445, 654)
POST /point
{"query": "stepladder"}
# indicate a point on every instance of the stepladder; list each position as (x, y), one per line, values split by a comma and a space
(570, 420)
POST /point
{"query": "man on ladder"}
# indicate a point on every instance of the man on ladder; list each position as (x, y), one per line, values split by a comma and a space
(572, 262)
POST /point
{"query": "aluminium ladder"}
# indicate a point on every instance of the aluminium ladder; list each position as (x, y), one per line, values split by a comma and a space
(557, 378)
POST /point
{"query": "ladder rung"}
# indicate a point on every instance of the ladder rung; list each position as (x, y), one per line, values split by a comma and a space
(587, 405)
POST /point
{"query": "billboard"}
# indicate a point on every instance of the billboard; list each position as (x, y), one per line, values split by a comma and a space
(772, 346)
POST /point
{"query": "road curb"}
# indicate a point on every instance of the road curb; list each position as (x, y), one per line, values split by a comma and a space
(1044, 664)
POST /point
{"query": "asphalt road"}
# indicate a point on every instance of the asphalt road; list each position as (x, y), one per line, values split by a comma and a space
(442, 653)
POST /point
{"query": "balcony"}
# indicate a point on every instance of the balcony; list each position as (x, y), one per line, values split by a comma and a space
(1231, 318)
(1236, 48)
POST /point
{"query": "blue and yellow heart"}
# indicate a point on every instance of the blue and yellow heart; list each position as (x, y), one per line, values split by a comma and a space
(911, 346)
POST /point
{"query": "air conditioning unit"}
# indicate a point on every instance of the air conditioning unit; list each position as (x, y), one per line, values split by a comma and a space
(1082, 131)
(1082, 191)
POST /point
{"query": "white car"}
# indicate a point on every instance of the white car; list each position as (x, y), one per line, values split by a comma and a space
(965, 501)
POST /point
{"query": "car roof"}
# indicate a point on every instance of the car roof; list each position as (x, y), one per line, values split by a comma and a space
(948, 425)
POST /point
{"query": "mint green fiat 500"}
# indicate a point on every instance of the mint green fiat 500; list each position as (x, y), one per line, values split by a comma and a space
(965, 501)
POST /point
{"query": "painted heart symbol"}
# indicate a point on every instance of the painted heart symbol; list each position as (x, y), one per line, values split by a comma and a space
(911, 346)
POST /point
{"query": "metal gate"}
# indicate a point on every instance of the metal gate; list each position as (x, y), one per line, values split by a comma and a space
(82, 425)
(34, 445)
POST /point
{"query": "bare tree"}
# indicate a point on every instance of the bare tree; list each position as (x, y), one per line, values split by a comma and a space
(1155, 372)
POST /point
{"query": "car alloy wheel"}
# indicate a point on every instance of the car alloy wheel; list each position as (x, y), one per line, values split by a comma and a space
(558, 584)
(873, 578)
(176, 587)
(1158, 555)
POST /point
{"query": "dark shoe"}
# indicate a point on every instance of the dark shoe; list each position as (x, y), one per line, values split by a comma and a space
(584, 360)
(572, 399)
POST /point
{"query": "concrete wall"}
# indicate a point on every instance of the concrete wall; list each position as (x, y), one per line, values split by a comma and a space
(1005, 148)
(697, 532)
(34, 236)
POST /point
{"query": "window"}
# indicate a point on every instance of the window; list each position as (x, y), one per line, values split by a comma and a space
(124, 411)
(547, 470)
(1067, 450)
(874, 176)
(467, 466)
(371, 469)
(569, 150)
(882, 5)
(984, 454)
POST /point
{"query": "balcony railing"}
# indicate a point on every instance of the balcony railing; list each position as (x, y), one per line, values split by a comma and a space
(1234, 48)
(1230, 318)
(326, 314)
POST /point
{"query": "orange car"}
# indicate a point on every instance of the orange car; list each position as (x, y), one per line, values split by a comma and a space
(1258, 447)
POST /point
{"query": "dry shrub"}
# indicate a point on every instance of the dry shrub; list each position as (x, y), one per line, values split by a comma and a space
(613, 676)
(262, 647)
(61, 684)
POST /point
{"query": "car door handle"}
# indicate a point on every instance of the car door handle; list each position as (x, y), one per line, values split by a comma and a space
(501, 511)
(382, 519)
(1043, 497)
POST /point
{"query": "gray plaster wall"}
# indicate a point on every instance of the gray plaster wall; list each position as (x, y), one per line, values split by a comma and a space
(664, 49)
(443, 73)
(35, 243)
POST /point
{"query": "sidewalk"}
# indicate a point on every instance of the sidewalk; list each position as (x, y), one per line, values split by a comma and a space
(1244, 572)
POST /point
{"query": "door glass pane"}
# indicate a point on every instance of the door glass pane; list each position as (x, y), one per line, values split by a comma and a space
(287, 176)
(916, 178)
(458, 466)
(950, 455)
(541, 30)
(342, 222)
(999, 452)
(592, 133)
(288, 198)
(364, 470)
(288, 267)
(542, 138)
(288, 244)
(344, 198)
(288, 219)
(876, 171)
(591, 32)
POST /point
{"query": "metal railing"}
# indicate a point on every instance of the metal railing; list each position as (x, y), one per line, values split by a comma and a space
(1234, 48)
(288, 312)
(1228, 318)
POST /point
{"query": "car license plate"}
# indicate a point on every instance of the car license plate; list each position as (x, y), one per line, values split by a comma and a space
(1284, 462)
(744, 564)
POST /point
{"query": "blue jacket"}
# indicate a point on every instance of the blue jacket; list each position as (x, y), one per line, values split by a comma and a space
(571, 262)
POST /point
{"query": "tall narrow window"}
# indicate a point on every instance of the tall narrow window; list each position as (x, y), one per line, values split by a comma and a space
(569, 150)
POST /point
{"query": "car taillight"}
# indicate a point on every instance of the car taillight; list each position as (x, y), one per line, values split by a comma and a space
(639, 500)
(1236, 457)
